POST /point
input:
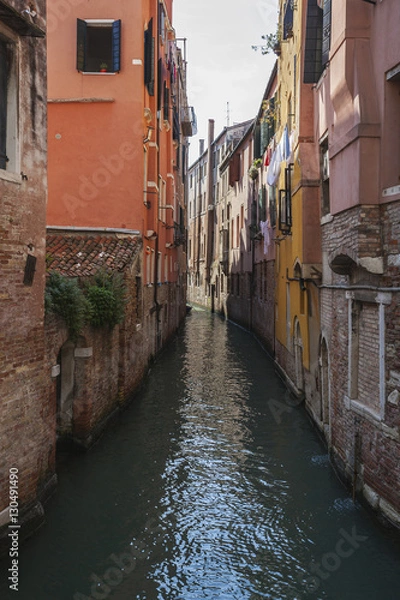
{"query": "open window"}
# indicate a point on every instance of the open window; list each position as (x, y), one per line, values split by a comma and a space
(98, 46)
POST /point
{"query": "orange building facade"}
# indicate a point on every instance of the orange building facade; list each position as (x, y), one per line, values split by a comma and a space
(118, 128)
(117, 97)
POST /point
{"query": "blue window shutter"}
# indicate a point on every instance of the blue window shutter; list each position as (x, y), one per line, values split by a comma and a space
(81, 45)
(116, 45)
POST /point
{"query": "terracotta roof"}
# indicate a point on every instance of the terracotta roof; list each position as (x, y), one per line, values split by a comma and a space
(83, 254)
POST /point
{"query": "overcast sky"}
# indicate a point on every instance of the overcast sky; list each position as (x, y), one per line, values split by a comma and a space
(222, 67)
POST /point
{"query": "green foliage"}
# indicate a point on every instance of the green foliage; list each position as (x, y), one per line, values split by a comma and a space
(64, 297)
(101, 301)
(272, 43)
(106, 294)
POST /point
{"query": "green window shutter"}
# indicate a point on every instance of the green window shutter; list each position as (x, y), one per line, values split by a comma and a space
(81, 45)
(288, 193)
(258, 151)
(160, 87)
(272, 205)
(149, 58)
(166, 101)
(116, 45)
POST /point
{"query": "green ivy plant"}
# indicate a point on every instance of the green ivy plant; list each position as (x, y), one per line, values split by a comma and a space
(99, 302)
(64, 297)
(107, 296)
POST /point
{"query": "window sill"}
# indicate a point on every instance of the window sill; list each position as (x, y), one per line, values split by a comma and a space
(12, 177)
(328, 218)
(362, 410)
(96, 73)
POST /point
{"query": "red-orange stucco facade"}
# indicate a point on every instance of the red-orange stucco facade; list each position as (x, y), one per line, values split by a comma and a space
(116, 99)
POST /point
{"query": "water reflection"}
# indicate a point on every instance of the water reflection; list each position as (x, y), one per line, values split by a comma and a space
(201, 492)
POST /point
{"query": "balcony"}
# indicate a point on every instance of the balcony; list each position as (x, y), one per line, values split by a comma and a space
(188, 121)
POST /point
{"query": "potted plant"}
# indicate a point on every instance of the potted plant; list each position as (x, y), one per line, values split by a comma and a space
(272, 43)
(103, 67)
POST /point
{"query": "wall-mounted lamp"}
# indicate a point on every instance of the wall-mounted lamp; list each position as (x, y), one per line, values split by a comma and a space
(150, 234)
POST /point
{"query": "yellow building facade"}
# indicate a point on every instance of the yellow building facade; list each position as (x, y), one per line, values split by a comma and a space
(297, 192)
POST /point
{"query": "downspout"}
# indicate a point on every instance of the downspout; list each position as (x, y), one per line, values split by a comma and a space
(199, 216)
(157, 306)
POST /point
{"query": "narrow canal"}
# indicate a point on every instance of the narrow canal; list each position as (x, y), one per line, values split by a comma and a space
(210, 486)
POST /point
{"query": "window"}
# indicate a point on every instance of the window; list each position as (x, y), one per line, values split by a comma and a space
(149, 53)
(285, 203)
(366, 326)
(8, 105)
(166, 101)
(318, 39)
(262, 203)
(162, 22)
(272, 205)
(98, 46)
(288, 20)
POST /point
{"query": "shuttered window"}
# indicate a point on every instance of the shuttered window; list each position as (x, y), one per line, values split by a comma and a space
(318, 39)
(166, 101)
(149, 53)
(326, 31)
(285, 203)
(234, 169)
(98, 46)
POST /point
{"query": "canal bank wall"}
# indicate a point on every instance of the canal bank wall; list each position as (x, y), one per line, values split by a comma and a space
(362, 448)
(91, 378)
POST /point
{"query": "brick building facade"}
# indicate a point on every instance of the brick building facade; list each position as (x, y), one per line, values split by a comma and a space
(326, 302)
(24, 440)
(357, 130)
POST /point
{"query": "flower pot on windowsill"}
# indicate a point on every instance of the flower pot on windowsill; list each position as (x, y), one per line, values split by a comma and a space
(103, 68)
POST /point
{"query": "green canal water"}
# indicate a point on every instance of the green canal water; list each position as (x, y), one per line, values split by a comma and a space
(209, 486)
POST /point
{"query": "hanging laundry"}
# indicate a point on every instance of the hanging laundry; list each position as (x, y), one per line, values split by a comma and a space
(285, 144)
(268, 156)
(274, 169)
(265, 230)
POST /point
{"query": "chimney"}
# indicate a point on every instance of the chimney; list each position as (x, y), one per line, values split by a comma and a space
(211, 124)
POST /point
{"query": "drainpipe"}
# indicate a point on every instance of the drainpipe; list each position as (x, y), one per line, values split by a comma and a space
(210, 200)
(157, 224)
(253, 229)
(201, 148)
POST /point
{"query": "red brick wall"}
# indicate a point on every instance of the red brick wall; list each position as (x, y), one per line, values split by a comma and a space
(25, 442)
(368, 232)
